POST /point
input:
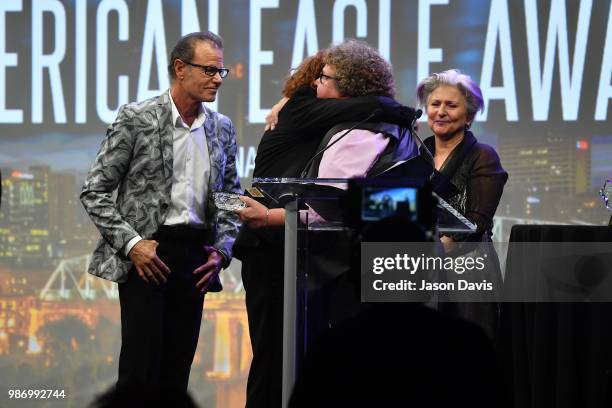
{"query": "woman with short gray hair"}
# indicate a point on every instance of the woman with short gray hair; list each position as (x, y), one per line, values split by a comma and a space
(453, 77)
(451, 100)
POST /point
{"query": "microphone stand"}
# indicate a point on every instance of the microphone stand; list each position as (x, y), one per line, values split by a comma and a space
(422, 145)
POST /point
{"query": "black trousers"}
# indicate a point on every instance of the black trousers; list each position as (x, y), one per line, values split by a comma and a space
(331, 299)
(262, 276)
(160, 325)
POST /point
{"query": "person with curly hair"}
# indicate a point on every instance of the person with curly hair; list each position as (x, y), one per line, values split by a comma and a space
(298, 125)
(358, 69)
(351, 69)
(304, 75)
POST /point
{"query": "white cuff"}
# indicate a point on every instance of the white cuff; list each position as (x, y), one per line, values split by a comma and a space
(130, 244)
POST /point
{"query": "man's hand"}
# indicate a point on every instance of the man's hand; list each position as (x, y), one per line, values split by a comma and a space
(210, 269)
(148, 265)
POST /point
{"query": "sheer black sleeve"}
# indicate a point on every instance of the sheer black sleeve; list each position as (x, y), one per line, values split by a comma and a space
(485, 186)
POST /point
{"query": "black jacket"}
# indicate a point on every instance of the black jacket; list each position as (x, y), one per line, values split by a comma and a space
(302, 124)
(305, 119)
(475, 169)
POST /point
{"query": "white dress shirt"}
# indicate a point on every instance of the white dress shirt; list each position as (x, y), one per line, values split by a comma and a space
(190, 173)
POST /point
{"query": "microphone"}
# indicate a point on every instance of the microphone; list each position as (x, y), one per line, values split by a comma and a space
(417, 114)
(430, 158)
(375, 112)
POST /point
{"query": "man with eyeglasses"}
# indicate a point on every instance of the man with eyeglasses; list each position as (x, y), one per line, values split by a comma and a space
(163, 240)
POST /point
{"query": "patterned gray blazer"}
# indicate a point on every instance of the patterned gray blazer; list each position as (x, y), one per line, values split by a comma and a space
(135, 160)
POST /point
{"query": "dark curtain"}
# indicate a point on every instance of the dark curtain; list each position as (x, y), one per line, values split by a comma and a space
(557, 354)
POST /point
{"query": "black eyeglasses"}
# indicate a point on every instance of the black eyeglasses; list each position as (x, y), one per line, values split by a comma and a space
(326, 77)
(210, 70)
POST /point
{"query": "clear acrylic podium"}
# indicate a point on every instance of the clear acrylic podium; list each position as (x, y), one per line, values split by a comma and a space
(324, 196)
